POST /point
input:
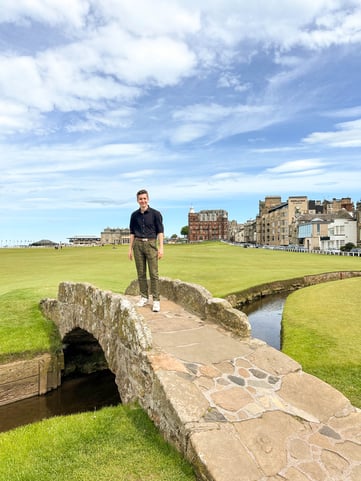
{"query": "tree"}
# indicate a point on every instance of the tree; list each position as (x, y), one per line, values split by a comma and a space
(184, 230)
(347, 247)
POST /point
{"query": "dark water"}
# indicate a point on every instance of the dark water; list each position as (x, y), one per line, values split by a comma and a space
(85, 393)
(265, 316)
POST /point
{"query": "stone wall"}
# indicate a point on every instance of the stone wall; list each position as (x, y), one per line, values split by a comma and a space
(198, 300)
(247, 296)
(31, 377)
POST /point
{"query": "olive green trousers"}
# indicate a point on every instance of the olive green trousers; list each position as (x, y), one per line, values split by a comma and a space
(146, 255)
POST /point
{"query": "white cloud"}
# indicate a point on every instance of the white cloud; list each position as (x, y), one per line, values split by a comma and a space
(144, 173)
(346, 112)
(188, 132)
(160, 61)
(280, 149)
(227, 80)
(302, 165)
(348, 134)
(282, 24)
(159, 17)
(105, 65)
(98, 121)
(115, 53)
(16, 117)
(231, 185)
(203, 113)
(222, 121)
(35, 161)
(53, 12)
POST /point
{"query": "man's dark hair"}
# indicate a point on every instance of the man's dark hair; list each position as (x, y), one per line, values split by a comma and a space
(142, 191)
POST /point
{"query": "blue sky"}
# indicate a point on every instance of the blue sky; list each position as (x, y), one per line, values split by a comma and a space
(210, 104)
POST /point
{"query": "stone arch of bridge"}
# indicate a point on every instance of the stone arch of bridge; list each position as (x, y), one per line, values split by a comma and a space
(82, 353)
(84, 312)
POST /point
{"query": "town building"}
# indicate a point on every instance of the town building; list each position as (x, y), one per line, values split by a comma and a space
(115, 236)
(207, 225)
(234, 230)
(300, 221)
(327, 231)
(340, 232)
(358, 219)
(82, 240)
(275, 219)
(336, 205)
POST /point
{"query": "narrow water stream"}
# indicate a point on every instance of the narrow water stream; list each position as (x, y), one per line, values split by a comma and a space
(265, 316)
(85, 393)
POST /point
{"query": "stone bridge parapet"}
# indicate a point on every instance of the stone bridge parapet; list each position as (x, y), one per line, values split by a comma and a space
(198, 300)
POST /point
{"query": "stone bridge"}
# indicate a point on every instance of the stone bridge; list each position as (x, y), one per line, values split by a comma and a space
(236, 408)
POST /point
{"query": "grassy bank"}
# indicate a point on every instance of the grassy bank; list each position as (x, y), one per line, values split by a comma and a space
(321, 330)
(114, 444)
(24, 332)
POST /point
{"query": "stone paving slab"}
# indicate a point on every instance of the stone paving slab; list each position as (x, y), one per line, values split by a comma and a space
(251, 413)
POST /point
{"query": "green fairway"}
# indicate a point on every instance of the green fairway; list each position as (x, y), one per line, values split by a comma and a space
(28, 275)
(221, 268)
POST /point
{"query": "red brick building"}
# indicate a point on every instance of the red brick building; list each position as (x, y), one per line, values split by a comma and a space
(207, 225)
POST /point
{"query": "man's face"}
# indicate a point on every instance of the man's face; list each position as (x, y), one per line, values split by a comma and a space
(142, 201)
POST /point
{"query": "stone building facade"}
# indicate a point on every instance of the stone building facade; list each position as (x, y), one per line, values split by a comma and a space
(275, 219)
(208, 225)
(313, 224)
(115, 236)
(84, 240)
(307, 222)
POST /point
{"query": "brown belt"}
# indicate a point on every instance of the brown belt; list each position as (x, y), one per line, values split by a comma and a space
(144, 239)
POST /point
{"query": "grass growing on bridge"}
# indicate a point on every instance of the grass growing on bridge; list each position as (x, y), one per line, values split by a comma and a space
(118, 443)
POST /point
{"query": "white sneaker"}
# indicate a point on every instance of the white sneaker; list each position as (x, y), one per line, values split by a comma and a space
(142, 302)
(156, 306)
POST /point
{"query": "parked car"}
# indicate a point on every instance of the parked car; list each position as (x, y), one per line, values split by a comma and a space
(333, 251)
(356, 251)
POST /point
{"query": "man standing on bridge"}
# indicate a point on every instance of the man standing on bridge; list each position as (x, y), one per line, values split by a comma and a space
(146, 243)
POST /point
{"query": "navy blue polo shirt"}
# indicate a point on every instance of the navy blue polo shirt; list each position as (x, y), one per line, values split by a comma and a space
(147, 224)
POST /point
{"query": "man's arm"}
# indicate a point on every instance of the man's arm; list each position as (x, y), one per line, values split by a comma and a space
(131, 242)
(160, 237)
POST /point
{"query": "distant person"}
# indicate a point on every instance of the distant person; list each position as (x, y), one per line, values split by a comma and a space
(146, 243)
